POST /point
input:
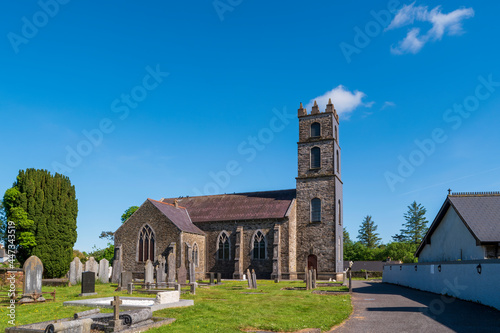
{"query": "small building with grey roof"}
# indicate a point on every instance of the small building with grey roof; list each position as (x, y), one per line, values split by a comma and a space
(467, 227)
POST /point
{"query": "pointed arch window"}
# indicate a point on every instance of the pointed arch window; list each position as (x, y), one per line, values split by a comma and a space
(195, 255)
(315, 158)
(146, 244)
(316, 210)
(315, 130)
(223, 247)
(259, 245)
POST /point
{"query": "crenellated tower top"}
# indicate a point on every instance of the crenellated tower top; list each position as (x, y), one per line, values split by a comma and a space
(302, 112)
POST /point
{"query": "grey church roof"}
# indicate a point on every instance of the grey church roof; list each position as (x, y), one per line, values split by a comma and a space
(238, 206)
(479, 212)
(178, 215)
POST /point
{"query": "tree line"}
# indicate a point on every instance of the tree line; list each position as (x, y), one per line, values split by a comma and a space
(403, 246)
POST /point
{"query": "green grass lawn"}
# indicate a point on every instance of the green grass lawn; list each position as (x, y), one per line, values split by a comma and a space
(229, 307)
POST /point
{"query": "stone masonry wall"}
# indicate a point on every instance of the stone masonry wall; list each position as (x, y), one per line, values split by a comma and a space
(263, 268)
(191, 239)
(128, 234)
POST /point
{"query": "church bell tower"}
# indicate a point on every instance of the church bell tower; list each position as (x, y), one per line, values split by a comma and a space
(319, 193)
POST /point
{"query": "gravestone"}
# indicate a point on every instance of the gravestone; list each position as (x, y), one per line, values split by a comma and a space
(79, 271)
(117, 271)
(92, 266)
(192, 274)
(249, 279)
(32, 280)
(88, 284)
(171, 268)
(219, 278)
(148, 272)
(73, 270)
(125, 279)
(254, 279)
(110, 272)
(104, 271)
(306, 280)
(313, 280)
(160, 270)
(181, 275)
(193, 286)
(212, 278)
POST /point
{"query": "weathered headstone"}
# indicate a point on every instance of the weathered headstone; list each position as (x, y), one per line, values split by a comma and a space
(130, 288)
(125, 279)
(160, 270)
(32, 280)
(307, 279)
(92, 266)
(104, 271)
(88, 284)
(117, 271)
(212, 278)
(313, 285)
(110, 272)
(148, 272)
(171, 268)
(250, 285)
(181, 275)
(254, 279)
(73, 270)
(193, 286)
(192, 274)
(219, 278)
(79, 271)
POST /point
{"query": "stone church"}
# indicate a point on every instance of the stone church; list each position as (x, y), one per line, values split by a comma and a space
(276, 233)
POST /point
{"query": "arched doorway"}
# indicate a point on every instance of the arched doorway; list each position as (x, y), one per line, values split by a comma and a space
(312, 262)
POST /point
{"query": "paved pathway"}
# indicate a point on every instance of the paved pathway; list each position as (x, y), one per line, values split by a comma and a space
(381, 307)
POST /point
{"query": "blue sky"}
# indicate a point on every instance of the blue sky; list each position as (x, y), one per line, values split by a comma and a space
(172, 95)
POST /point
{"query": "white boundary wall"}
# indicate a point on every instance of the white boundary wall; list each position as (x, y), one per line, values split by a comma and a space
(460, 279)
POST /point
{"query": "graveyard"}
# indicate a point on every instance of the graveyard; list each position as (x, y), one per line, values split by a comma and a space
(228, 307)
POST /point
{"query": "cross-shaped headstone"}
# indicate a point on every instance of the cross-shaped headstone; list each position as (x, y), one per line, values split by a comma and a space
(116, 306)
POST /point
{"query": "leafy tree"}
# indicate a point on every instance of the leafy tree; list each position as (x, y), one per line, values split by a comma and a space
(367, 235)
(131, 210)
(106, 253)
(401, 251)
(416, 225)
(109, 235)
(44, 209)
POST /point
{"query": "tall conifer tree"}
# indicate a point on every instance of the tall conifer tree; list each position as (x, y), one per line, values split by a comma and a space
(44, 208)
(367, 235)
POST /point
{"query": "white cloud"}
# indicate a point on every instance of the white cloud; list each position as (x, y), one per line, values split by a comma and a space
(450, 23)
(343, 100)
(388, 104)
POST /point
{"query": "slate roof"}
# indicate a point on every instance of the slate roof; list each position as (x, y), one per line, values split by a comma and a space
(479, 212)
(238, 206)
(179, 216)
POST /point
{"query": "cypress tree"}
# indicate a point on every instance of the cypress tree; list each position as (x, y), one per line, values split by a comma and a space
(44, 208)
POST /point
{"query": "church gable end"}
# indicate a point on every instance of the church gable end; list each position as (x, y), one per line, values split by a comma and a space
(128, 236)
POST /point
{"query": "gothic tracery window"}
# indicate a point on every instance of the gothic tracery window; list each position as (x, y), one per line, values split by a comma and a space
(195, 255)
(259, 246)
(223, 247)
(146, 244)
